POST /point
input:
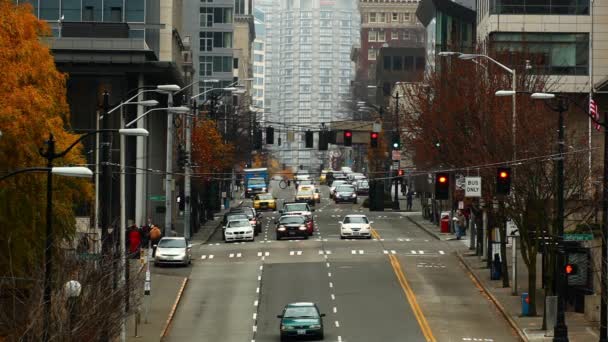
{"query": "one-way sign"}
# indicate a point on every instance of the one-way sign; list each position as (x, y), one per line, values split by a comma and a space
(472, 187)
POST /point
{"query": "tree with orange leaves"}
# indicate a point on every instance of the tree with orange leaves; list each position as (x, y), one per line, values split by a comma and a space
(210, 153)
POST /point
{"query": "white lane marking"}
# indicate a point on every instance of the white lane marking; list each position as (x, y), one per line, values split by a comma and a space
(441, 252)
(333, 297)
(255, 328)
(255, 315)
(385, 251)
(238, 255)
(266, 253)
(320, 252)
(211, 256)
(259, 254)
(203, 257)
(331, 284)
(255, 303)
(408, 240)
(327, 264)
(259, 278)
(329, 274)
(263, 258)
(361, 251)
(413, 252)
(299, 252)
(393, 251)
(420, 252)
(261, 267)
(292, 252)
(335, 309)
(257, 290)
(337, 324)
(339, 338)
(231, 255)
(353, 252)
(400, 239)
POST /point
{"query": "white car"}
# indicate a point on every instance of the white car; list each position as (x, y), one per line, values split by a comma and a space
(238, 230)
(173, 250)
(355, 226)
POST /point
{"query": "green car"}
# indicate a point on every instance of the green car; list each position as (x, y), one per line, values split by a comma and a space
(301, 320)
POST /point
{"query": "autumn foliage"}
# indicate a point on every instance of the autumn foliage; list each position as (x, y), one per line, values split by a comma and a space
(34, 104)
(210, 153)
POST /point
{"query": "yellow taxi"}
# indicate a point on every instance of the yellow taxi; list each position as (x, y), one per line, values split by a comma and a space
(316, 194)
(323, 177)
(264, 202)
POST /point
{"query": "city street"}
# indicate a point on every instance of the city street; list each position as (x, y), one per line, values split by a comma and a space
(402, 285)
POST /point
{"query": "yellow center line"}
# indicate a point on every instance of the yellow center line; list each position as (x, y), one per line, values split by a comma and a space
(409, 294)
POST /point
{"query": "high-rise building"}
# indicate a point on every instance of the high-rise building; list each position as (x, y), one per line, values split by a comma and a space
(308, 72)
(211, 25)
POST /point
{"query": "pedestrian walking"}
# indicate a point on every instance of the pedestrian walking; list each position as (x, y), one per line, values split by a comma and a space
(410, 199)
(134, 241)
(155, 235)
(460, 224)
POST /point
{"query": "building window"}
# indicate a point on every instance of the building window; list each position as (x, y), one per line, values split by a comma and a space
(49, 10)
(222, 63)
(382, 36)
(406, 17)
(408, 63)
(70, 9)
(557, 7)
(235, 63)
(206, 66)
(134, 11)
(371, 18)
(206, 41)
(397, 62)
(239, 7)
(371, 54)
(395, 17)
(406, 35)
(372, 36)
(550, 53)
(395, 35)
(258, 57)
(381, 17)
(222, 40)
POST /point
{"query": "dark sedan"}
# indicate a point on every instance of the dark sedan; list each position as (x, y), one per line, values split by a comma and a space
(292, 226)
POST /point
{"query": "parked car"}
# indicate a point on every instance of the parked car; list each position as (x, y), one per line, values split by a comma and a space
(264, 202)
(345, 193)
(292, 226)
(173, 250)
(238, 230)
(355, 226)
(301, 320)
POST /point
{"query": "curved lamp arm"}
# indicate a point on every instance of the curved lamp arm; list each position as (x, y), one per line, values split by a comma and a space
(27, 169)
(82, 137)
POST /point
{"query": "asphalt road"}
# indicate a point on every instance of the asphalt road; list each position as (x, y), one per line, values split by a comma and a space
(400, 286)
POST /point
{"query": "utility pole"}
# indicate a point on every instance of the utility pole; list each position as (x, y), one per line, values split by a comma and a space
(396, 200)
(188, 170)
(106, 209)
(604, 281)
(169, 169)
(560, 331)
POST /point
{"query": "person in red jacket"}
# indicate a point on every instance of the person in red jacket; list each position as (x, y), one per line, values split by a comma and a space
(134, 237)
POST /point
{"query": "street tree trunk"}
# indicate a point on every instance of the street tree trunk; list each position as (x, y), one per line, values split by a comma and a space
(532, 284)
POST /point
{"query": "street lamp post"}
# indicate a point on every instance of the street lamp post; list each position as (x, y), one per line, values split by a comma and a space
(560, 331)
(396, 200)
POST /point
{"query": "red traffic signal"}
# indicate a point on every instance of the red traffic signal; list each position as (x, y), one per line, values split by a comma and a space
(373, 139)
(570, 269)
(348, 138)
(348, 134)
(374, 135)
(401, 172)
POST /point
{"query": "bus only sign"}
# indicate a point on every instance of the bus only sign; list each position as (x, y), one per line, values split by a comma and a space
(472, 187)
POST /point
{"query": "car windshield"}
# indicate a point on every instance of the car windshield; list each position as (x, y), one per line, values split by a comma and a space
(239, 223)
(336, 183)
(355, 219)
(265, 197)
(292, 220)
(366, 184)
(172, 243)
(301, 311)
(234, 217)
(296, 207)
(345, 188)
(305, 182)
(257, 181)
(305, 192)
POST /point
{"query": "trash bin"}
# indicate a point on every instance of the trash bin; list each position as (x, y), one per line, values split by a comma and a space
(445, 224)
(525, 304)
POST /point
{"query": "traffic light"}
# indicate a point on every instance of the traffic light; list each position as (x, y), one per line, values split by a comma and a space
(333, 137)
(442, 185)
(269, 135)
(323, 140)
(257, 139)
(503, 180)
(182, 157)
(348, 138)
(401, 173)
(396, 141)
(571, 269)
(373, 139)
(309, 139)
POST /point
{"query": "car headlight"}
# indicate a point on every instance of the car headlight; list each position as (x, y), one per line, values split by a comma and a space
(263, 189)
(354, 195)
(302, 227)
(248, 189)
(229, 233)
(281, 228)
(314, 326)
(286, 327)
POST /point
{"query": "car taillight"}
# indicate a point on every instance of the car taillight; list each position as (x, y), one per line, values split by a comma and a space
(302, 227)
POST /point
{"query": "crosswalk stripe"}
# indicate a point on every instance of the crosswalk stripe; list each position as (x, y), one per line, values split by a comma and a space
(231, 255)
(420, 252)
(413, 252)
(385, 251)
(441, 252)
(203, 257)
(291, 253)
(211, 256)
(360, 251)
(299, 252)
(393, 251)
(259, 254)
(238, 255)
(266, 253)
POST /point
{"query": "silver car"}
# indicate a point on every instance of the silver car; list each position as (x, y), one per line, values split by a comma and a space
(173, 250)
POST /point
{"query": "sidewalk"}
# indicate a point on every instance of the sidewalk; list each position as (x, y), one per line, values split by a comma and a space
(528, 328)
(166, 291)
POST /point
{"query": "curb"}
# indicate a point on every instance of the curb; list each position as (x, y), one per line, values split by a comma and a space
(165, 330)
(428, 231)
(505, 314)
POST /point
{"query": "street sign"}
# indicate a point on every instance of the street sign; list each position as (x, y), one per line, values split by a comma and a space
(578, 237)
(472, 187)
(396, 155)
(157, 198)
(460, 182)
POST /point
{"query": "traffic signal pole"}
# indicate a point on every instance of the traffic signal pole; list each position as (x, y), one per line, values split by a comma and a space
(396, 200)
(604, 261)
